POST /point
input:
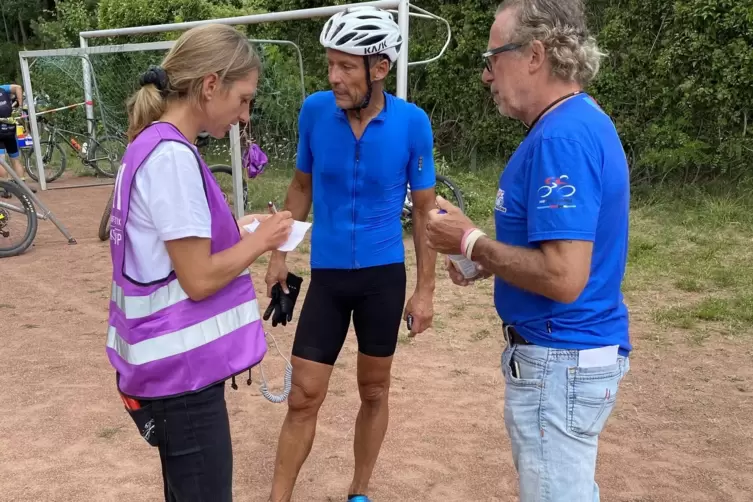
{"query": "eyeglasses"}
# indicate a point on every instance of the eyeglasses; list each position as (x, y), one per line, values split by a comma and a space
(486, 56)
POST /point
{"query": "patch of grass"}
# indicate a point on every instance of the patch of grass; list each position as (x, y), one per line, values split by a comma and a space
(699, 336)
(724, 277)
(272, 185)
(680, 317)
(456, 310)
(697, 242)
(732, 311)
(688, 284)
(483, 334)
(108, 432)
(438, 322)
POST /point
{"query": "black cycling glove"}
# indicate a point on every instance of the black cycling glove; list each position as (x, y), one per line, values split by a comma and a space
(282, 305)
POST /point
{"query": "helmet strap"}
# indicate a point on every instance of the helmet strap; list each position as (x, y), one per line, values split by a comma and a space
(367, 98)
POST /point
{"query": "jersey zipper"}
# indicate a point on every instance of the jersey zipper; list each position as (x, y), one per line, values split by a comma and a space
(355, 184)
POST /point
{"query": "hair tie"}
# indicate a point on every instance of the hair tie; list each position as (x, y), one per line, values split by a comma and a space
(157, 76)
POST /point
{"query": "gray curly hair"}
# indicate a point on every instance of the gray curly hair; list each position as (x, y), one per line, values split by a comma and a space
(561, 26)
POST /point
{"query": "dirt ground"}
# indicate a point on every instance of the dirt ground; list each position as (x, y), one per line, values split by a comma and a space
(681, 430)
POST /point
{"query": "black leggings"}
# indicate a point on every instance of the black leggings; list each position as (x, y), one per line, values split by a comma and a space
(194, 446)
(8, 142)
(374, 296)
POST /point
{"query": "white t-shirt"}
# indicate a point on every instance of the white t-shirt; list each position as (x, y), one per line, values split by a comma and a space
(167, 202)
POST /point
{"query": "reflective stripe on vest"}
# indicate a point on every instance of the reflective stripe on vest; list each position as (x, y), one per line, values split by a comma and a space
(186, 339)
(137, 307)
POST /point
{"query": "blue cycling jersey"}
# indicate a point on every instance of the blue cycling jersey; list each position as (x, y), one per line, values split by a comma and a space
(359, 185)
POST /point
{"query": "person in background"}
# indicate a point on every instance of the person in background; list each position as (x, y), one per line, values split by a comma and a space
(184, 316)
(359, 147)
(559, 254)
(11, 96)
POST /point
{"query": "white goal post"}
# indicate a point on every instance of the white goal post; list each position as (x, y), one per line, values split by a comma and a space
(401, 7)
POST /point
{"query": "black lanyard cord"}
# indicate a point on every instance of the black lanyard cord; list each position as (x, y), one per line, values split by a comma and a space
(549, 107)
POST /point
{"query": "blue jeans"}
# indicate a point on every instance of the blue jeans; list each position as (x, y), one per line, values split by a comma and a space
(554, 413)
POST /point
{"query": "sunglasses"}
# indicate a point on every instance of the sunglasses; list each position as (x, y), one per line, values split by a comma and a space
(486, 56)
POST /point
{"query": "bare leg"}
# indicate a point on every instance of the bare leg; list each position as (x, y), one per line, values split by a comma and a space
(373, 417)
(309, 388)
(18, 168)
(16, 165)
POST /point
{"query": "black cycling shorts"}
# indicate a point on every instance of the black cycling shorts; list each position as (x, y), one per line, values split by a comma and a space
(374, 296)
(9, 143)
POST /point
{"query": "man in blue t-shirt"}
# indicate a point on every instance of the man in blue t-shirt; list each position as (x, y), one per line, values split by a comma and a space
(558, 259)
(359, 148)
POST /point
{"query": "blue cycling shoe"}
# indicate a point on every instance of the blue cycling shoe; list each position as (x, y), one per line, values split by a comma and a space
(358, 498)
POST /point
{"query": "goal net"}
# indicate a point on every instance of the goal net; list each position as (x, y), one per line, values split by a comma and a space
(79, 151)
(76, 97)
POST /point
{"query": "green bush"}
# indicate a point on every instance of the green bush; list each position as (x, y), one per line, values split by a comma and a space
(677, 80)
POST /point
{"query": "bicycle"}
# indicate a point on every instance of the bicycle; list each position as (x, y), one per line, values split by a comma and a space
(31, 207)
(104, 223)
(111, 147)
(7, 215)
(455, 196)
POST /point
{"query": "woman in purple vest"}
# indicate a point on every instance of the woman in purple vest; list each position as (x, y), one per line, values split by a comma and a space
(183, 314)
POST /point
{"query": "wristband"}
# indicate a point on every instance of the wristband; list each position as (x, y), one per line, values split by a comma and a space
(471, 241)
(463, 241)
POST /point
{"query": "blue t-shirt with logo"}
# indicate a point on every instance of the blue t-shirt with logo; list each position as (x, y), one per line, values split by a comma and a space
(359, 185)
(568, 180)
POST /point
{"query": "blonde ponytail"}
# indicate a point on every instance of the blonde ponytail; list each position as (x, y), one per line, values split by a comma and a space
(200, 51)
(144, 107)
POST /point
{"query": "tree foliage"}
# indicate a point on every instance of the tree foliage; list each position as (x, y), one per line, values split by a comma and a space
(677, 80)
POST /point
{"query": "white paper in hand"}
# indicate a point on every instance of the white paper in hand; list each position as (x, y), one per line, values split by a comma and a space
(297, 234)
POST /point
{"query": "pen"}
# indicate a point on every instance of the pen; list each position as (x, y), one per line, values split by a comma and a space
(272, 207)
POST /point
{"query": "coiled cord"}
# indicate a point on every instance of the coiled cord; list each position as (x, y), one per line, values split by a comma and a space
(288, 381)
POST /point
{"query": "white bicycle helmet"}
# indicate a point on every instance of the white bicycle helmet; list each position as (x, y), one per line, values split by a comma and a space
(363, 31)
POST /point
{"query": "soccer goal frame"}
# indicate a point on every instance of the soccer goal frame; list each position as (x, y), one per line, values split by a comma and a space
(401, 7)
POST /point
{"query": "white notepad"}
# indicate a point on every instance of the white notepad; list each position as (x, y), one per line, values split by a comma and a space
(296, 234)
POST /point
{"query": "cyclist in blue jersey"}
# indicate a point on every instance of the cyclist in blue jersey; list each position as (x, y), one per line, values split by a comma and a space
(559, 254)
(359, 148)
(8, 140)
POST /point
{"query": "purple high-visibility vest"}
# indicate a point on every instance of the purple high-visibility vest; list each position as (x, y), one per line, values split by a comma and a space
(160, 342)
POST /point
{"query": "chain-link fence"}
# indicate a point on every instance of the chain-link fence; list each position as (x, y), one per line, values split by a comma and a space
(58, 82)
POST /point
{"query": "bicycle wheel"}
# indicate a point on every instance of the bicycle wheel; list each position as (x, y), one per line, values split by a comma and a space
(450, 191)
(54, 161)
(226, 183)
(104, 223)
(105, 155)
(11, 213)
